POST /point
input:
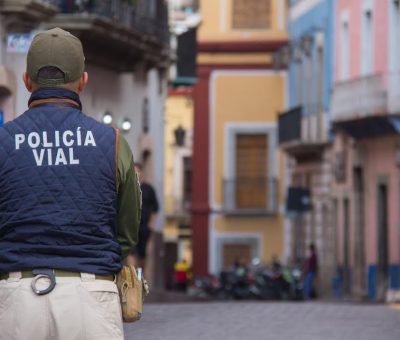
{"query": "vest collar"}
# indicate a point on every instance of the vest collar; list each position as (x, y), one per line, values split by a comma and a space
(57, 95)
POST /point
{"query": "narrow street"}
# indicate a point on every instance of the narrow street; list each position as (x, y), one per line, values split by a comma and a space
(247, 320)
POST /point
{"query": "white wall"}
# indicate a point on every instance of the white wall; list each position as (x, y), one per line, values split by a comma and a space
(157, 109)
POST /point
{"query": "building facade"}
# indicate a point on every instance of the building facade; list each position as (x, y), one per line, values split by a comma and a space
(127, 51)
(237, 167)
(365, 114)
(304, 135)
(184, 21)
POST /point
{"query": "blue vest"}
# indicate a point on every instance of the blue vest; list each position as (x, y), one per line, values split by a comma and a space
(58, 197)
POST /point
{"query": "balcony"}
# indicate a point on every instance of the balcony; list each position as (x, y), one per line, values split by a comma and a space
(394, 93)
(303, 132)
(177, 208)
(23, 15)
(118, 34)
(359, 98)
(250, 196)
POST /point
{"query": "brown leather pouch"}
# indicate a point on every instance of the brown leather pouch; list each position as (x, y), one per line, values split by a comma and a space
(132, 291)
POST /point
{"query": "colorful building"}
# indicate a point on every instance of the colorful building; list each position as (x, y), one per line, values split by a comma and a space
(365, 113)
(238, 171)
(304, 134)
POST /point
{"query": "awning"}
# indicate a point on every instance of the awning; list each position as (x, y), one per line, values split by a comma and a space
(369, 127)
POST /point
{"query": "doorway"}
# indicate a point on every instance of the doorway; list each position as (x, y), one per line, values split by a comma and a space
(346, 247)
(383, 251)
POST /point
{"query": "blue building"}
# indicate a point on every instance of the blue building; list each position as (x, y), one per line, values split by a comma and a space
(304, 134)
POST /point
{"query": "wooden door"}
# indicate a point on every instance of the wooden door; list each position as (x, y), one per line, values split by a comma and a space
(234, 252)
(251, 171)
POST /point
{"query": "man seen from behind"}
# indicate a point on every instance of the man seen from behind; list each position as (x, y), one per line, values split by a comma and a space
(69, 205)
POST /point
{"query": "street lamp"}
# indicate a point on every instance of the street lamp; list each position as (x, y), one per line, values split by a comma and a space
(107, 118)
(126, 125)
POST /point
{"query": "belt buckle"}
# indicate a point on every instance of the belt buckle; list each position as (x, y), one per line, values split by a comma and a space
(43, 273)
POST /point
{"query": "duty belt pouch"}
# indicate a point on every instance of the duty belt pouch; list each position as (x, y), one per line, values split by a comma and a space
(131, 292)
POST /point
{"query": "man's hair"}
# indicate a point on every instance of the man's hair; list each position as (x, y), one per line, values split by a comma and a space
(51, 73)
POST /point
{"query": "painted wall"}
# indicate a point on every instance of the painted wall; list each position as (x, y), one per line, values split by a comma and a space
(380, 162)
(310, 17)
(246, 100)
(240, 97)
(179, 112)
(217, 23)
(352, 11)
(234, 88)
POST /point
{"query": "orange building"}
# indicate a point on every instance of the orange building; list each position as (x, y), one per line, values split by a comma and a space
(238, 171)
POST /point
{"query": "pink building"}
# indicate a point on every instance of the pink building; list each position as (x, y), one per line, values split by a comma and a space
(365, 112)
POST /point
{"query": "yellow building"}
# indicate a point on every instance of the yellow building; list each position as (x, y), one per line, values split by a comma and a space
(178, 170)
(238, 170)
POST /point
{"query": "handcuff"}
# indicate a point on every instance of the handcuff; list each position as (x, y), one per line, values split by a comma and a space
(40, 274)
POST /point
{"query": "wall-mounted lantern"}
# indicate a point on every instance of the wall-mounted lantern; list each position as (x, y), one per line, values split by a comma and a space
(180, 134)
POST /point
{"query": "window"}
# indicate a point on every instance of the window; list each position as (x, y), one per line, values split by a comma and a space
(251, 14)
(187, 180)
(300, 81)
(394, 44)
(345, 52)
(145, 116)
(367, 43)
(320, 79)
(251, 171)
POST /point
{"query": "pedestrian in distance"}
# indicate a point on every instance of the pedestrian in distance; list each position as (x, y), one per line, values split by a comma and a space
(69, 205)
(148, 217)
(311, 270)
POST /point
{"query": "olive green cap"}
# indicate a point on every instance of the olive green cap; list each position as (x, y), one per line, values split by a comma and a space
(57, 48)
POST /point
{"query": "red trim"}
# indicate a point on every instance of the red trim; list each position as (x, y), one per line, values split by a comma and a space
(200, 207)
(241, 46)
(180, 91)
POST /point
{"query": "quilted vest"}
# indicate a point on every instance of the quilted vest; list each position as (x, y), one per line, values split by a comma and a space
(58, 197)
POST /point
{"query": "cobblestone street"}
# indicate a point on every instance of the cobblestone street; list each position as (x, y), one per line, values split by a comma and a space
(246, 320)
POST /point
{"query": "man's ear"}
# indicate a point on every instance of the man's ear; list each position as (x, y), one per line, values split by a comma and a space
(83, 82)
(27, 81)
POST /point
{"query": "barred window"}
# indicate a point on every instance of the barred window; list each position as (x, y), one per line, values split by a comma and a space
(251, 14)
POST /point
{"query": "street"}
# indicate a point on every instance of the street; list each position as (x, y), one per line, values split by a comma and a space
(252, 320)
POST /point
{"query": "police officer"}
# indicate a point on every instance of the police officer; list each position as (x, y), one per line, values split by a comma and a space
(69, 205)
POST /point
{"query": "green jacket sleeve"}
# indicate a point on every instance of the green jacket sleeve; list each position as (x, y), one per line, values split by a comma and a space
(129, 199)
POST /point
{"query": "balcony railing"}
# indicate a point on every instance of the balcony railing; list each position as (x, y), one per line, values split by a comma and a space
(177, 207)
(149, 17)
(250, 196)
(289, 125)
(358, 98)
(23, 15)
(301, 126)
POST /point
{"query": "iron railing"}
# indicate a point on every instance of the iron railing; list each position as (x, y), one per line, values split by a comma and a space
(148, 17)
(250, 195)
(289, 125)
(177, 207)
